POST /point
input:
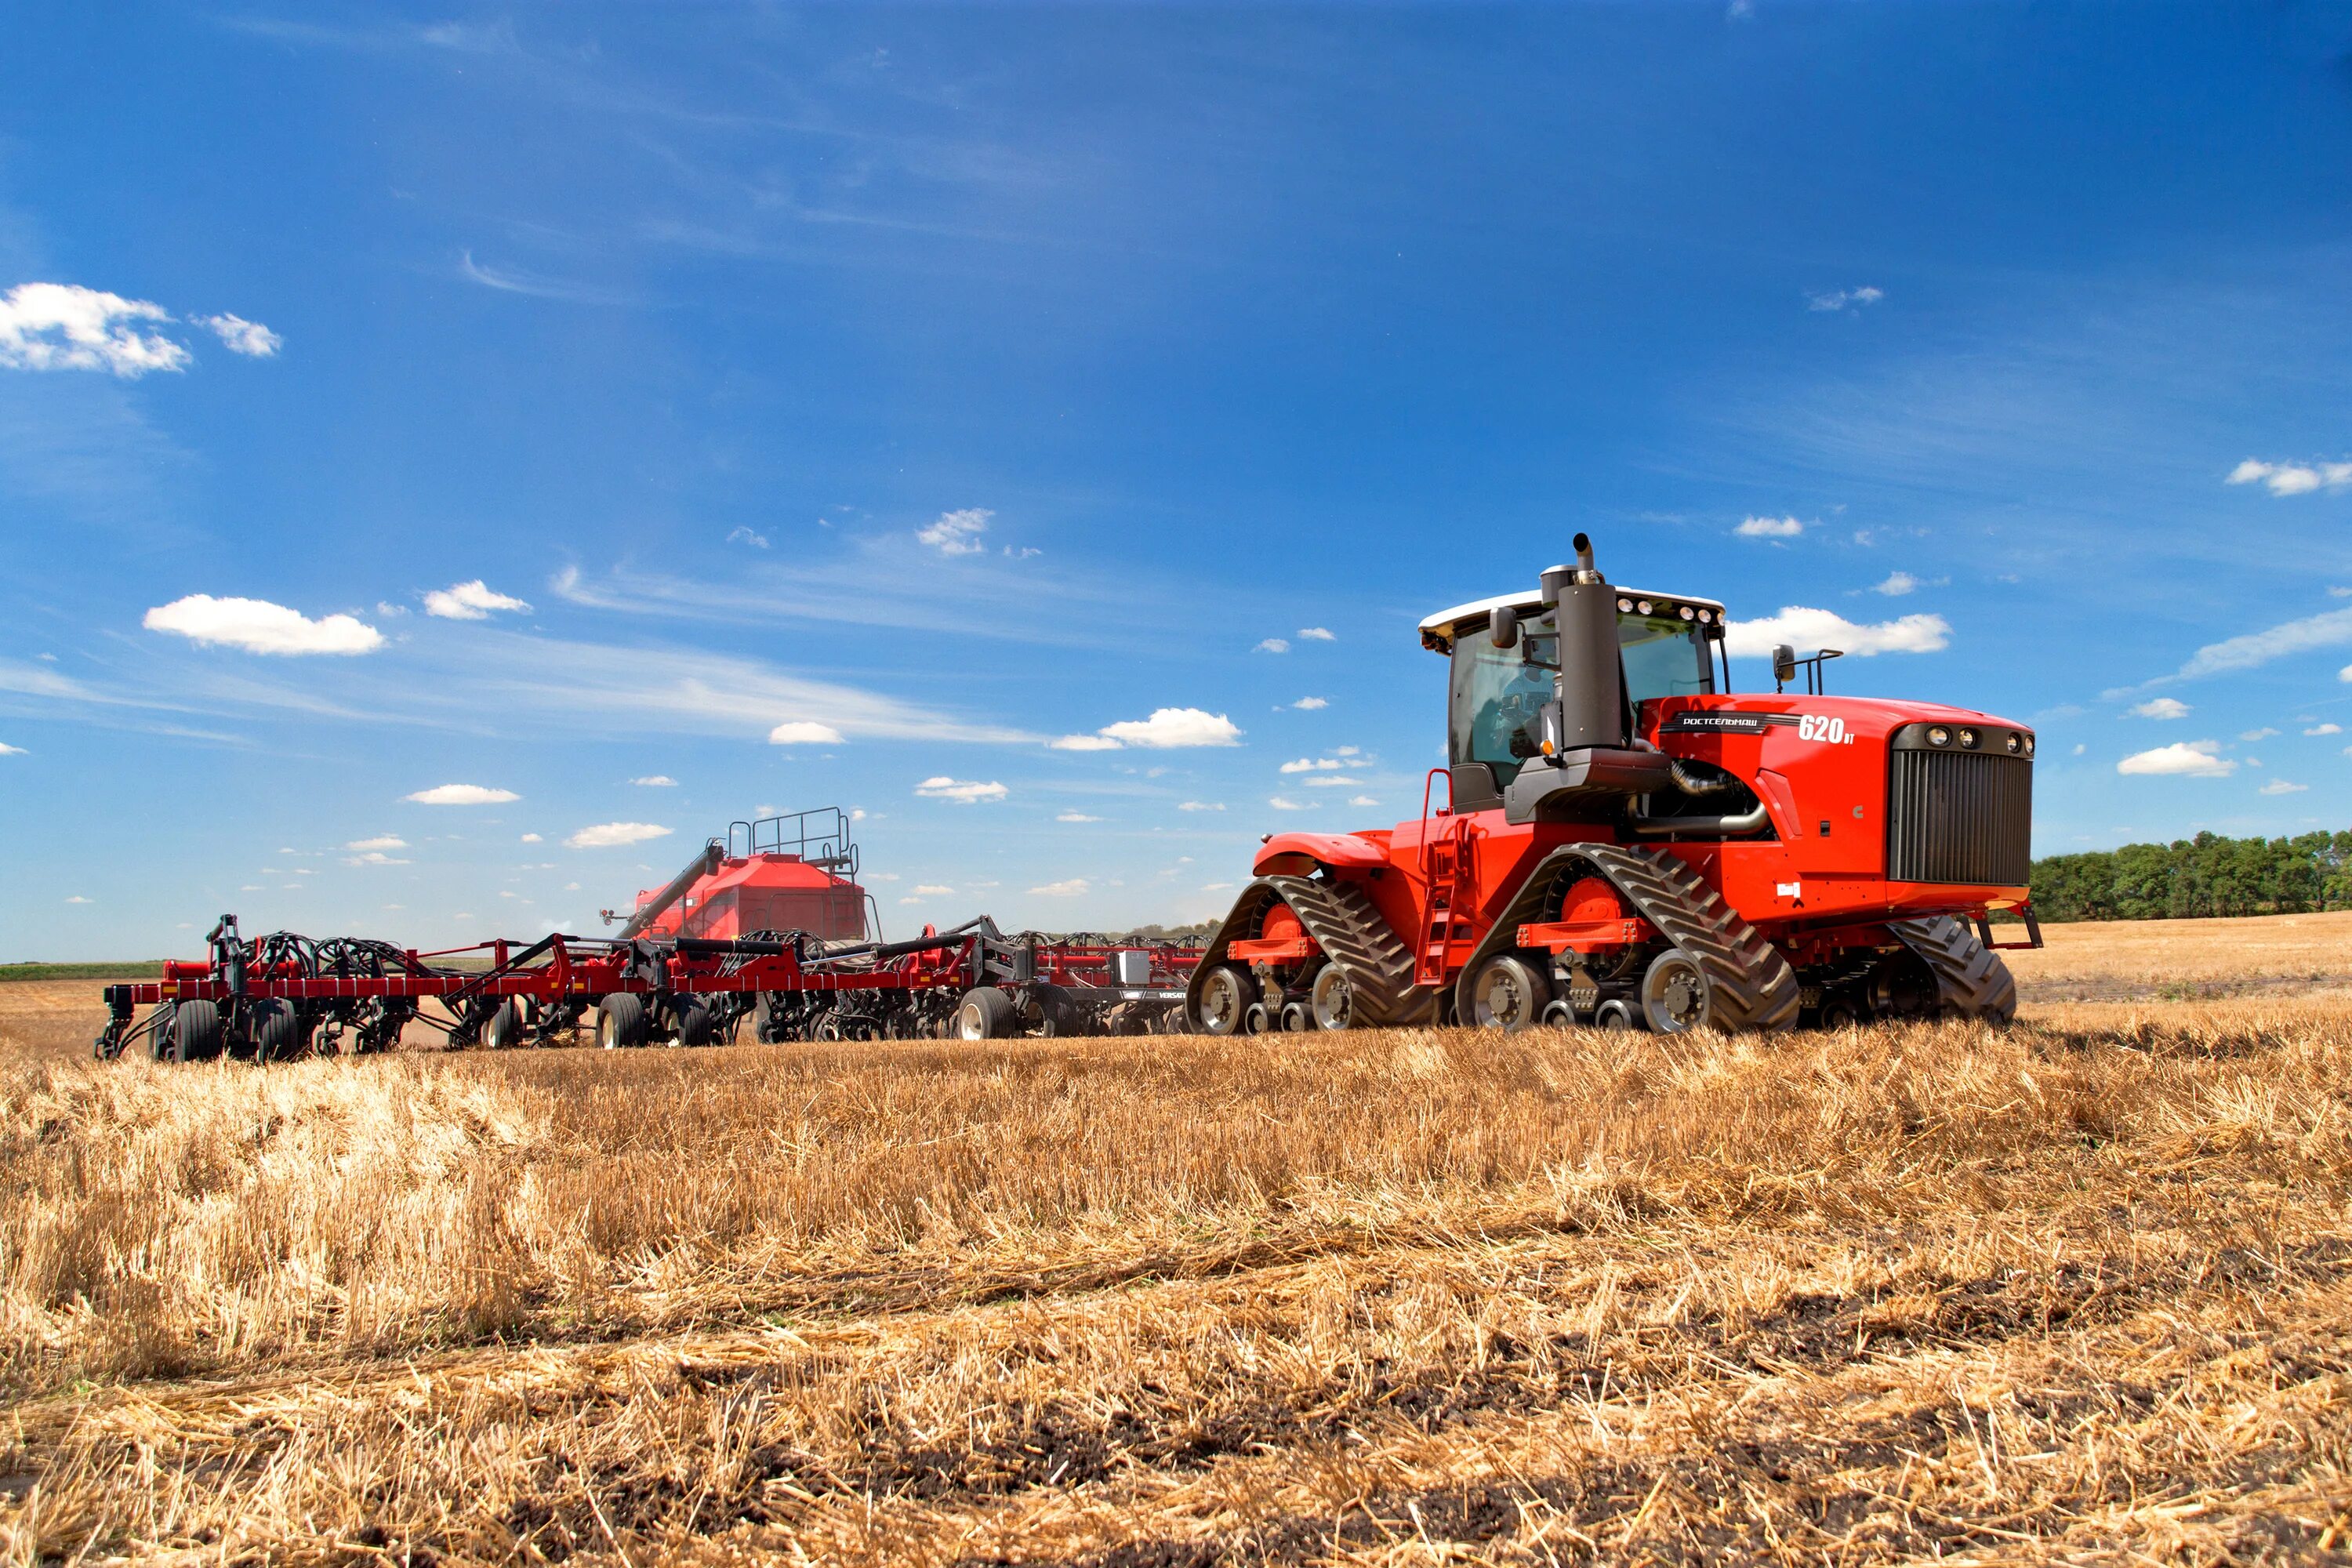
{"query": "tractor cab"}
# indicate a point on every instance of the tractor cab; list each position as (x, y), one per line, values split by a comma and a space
(1512, 699)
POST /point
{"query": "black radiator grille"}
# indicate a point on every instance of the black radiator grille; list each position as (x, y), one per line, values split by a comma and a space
(1958, 816)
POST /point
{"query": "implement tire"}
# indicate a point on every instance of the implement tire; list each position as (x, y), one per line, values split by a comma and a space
(504, 1031)
(196, 1031)
(279, 1034)
(984, 1013)
(694, 1024)
(621, 1021)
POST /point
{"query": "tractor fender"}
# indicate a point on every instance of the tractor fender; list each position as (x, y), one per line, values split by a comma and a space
(1296, 854)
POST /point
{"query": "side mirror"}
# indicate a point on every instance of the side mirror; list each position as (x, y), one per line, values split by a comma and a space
(1503, 629)
(1784, 664)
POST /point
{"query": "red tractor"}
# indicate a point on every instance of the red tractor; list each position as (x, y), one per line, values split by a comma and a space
(1622, 842)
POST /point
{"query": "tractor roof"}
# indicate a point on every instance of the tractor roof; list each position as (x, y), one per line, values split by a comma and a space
(1438, 631)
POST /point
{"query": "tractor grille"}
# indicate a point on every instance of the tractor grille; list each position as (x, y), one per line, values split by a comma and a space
(1958, 816)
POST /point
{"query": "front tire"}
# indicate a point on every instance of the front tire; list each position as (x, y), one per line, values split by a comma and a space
(1509, 994)
(1227, 994)
(1676, 995)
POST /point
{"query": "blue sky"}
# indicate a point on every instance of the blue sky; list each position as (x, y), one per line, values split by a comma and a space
(544, 399)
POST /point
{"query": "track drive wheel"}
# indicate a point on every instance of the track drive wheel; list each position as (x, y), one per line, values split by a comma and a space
(621, 1021)
(1332, 1001)
(196, 1032)
(1676, 995)
(1227, 993)
(985, 1014)
(1509, 994)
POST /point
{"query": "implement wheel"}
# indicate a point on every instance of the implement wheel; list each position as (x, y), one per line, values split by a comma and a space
(278, 1033)
(984, 1013)
(1510, 993)
(621, 1021)
(1227, 994)
(694, 1024)
(504, 1031)
(196, 1032)
(1676, 996)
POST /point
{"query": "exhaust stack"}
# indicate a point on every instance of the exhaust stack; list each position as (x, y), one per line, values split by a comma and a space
(1591, 693)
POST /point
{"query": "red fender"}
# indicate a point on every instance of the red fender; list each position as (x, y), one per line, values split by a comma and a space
(1296, 854)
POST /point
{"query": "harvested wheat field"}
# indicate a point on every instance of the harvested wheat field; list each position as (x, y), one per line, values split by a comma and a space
(2077, 1290)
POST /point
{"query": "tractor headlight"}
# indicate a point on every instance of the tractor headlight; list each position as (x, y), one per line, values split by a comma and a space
(1624, 606)
(2016, 742)
(2028, 745)
(1689, 613)
(1706, 617)
(1969, 739)
(1938, 736)
(1643, 607)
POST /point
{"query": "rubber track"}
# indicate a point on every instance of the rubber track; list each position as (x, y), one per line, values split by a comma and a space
(1750, 984)
(1971, 978)
(1345, 925)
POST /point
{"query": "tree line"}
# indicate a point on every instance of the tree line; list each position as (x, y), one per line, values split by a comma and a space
(2207, 875)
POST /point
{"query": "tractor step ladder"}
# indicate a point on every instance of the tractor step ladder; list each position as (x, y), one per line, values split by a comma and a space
(1446, 865)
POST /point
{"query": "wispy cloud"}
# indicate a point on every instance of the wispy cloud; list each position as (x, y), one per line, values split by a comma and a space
(961, 792)
(1844, 298)
(474, 600)
(515, 281)
(612, 834)
(1769, 527)
(462, 794)
(2161, 708)
(957, 533)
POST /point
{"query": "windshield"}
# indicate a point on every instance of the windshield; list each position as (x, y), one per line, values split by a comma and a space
(1663, 657)
(1496, 705)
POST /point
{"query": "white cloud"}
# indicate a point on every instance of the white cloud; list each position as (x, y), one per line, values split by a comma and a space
(960, 792)
(1332, 781)
(1314, 765)
(1839, 299)
(381, 841)
(655, 781)
(530, 839)
(2329, 629)
(1085, 743)
(2161, 708)
(745, 536)
(1169, 728)
(2264, 734)
(1769, 527)
(77, 899)
(612, 834)
(63, 326)
(9, 750)
(1347, 751)
(2190, 759)
(933, 891)
(1897, 584)
(2280, 787)
(1201, 805)
(472, 601)
(2291, 478)
(2324, 730)
(803, 733)
(1317, 634)
(1807, 629)
(462, 794)
(1310, 704)
(258, 625)
(1272, 645)
(856, 815)
(374, 858)
(1280, 804)
(1077, 816)
(957, 533)
(248, 337)
(1072, 889)
(1361, 800)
